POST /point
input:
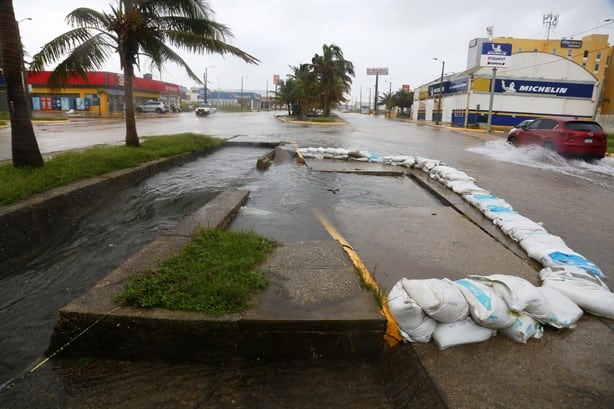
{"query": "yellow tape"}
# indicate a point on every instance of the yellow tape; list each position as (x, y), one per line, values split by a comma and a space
(392, 335)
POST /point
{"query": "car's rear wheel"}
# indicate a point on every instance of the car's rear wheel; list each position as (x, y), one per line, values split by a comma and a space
(158, 110)
(549, 145)
(512, 141)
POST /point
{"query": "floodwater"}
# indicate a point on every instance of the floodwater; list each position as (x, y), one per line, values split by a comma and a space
(571, 198)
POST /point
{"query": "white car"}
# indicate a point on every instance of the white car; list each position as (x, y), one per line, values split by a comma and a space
(205, 109)
(152, 106)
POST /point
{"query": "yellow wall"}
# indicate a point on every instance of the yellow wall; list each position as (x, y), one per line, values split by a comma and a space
(599, 51)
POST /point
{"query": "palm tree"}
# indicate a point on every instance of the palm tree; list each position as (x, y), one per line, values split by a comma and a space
(387, 98)
(25, 151)
(334, 74)
(135, 29)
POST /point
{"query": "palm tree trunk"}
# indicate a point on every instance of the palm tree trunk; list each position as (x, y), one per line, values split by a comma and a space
(24, 147)
(132, 138)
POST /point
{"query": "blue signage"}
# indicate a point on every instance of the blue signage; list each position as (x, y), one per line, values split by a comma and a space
(557, 89)
(568, 43)
(455, 86)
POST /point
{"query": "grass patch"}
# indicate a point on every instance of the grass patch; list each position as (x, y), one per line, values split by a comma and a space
(611, 143)
(213, 274)
(20, 183)
(323, 119)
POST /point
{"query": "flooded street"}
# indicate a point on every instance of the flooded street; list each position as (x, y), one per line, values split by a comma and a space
(572, 198)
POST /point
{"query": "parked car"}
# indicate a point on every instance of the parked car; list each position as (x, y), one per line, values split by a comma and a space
(152, 106)
(568, 137)
(205, 109)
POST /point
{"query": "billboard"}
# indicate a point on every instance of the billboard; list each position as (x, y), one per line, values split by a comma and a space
(377, 71)
(495, 55)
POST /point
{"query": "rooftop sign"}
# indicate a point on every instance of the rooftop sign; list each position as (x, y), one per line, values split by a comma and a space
(495, 55)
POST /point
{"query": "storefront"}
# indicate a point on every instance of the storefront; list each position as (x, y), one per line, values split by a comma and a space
(534, 84)
(100, 94)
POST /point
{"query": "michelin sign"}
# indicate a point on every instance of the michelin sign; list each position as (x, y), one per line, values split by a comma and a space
(495, 55)
(559, 89)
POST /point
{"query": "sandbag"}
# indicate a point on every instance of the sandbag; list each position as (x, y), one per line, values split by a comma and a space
(564, 313)
(585, 289)
(439, 299)
(518, 227)
(519, 294)
(541, 245)
(447, 335)
(486, 307)
(562, 258)
(523, 329)
(414, 325)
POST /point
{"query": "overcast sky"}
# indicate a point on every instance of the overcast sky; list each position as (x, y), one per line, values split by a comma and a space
(402, 35)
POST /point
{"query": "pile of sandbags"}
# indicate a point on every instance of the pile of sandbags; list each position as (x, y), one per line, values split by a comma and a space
(473, 309)
(570, 282)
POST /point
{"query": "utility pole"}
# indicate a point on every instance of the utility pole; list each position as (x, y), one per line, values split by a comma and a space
(440, 114)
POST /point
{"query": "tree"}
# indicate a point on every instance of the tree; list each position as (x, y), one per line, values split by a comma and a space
(333, 75)
(135, 29)
(387, 98)
(25, 151)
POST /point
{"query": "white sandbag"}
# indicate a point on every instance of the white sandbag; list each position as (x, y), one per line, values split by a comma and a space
(426, 164)
(444, 172)
(518, 227)
(486, 307)
(560, 258)
(439, 299)
(585, 289)
(477, 198)
(414, 325)
(564, 313)
(463, 187)
(541, 245)
(523, 329)
(447, 335)
(396, 159)
(519, 294)
(409, 162)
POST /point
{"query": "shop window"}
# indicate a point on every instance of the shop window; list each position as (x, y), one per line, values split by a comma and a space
(584, 65)
(569, 53)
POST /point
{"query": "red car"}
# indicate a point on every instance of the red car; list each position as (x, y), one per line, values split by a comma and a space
(568, 137)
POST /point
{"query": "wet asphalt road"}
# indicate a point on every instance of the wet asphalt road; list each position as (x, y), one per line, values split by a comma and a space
(572, 199)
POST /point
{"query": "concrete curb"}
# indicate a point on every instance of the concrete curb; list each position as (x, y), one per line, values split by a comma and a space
(293, 318)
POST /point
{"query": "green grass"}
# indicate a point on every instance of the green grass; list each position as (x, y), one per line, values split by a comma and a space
(611, 143)
(20, 183)
(213, 274)
(323, 119)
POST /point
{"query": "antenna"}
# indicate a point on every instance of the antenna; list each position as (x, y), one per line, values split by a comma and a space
(490, 30)
(550, 21)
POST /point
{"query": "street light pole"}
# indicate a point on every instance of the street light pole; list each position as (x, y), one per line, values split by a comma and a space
(205, 78)
(241, 102)
(440, 114)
